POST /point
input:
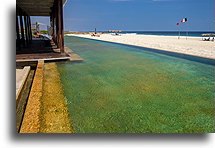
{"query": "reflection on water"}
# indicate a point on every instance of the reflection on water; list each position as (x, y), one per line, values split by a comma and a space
(120, 89)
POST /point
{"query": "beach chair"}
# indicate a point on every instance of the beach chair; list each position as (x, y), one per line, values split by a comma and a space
(96, 35)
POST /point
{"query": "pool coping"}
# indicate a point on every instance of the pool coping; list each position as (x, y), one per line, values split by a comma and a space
(31, 119)
(21, 77)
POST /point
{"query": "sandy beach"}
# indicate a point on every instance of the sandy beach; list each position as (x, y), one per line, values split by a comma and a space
(192, 46)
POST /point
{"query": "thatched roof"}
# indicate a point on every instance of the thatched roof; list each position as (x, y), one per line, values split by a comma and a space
(208, 34)
(114, 31)
(36, 7)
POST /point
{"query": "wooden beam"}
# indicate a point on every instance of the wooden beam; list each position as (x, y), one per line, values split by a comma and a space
(39, 14)
(37, 7)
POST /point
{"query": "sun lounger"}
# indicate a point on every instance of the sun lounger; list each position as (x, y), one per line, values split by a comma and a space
(97, 35)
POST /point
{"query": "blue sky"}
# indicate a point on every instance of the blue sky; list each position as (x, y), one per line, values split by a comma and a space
(136, 15)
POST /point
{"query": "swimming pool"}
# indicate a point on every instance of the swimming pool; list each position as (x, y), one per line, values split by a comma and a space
(125, 89)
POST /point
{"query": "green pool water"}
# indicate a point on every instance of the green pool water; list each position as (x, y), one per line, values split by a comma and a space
(123, 89)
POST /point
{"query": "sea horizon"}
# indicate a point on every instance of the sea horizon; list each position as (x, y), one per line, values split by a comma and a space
(161, 33)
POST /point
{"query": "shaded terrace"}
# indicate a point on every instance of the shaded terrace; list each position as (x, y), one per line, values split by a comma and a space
(29, 48)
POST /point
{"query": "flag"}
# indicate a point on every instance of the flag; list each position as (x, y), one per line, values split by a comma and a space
(184, 20)
(177, 24)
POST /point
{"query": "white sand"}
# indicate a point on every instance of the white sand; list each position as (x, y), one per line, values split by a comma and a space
(192, 46)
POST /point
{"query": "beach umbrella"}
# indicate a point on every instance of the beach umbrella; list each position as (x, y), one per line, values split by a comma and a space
(114, 31)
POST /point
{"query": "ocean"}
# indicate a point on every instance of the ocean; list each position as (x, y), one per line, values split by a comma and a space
(168, 33)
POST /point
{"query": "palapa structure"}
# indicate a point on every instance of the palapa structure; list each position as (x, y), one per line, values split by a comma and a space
(209, 35)
(114, 31)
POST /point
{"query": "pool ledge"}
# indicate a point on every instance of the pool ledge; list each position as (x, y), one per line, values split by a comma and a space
(73, 56)
(31, 119)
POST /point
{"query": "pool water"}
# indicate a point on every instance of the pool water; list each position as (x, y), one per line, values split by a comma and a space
(124, 89)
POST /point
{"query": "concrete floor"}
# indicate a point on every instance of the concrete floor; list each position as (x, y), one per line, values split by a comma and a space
(40, 49)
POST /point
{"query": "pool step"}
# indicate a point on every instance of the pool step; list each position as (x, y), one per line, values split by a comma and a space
(73, 56)
(46, 110)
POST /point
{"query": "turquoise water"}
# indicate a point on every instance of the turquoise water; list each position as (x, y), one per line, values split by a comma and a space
(169, 33)
(123, 89)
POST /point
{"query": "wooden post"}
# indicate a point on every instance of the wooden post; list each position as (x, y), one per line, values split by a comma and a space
(28, 35)
(22, 28)
(30, 28)
(57, 22)
(52, 23)
(17, 30)
(53, 17)
(60, 26)
(26, 28)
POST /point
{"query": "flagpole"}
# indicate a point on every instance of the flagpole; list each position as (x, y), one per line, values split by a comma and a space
(178, 31)
(187, 31)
